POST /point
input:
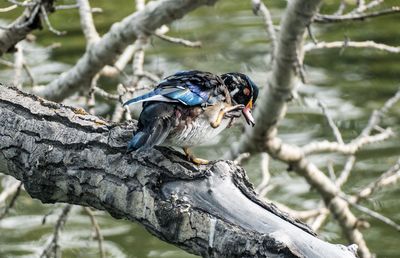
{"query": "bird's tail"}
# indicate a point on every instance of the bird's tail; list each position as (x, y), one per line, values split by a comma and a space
(155, 123)
(138, 140)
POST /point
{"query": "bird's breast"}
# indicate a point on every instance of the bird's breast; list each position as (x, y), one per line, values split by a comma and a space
(193, 126)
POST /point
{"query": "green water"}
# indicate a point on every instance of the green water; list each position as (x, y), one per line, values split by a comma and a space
(351, 83)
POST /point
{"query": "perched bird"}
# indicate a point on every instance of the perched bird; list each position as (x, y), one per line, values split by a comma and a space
(191, 107)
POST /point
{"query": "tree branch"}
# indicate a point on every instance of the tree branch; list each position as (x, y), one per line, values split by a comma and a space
(272, 104)
(62, 154)
(112, 44)
(23, 25)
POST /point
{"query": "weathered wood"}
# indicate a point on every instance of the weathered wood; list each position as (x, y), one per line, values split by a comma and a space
(62, 154)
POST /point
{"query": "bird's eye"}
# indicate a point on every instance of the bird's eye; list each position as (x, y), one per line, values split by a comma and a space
(246, 91)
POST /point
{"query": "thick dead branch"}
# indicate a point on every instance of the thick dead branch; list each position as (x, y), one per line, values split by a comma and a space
(272, 104)
(112, 44)
(87, 24)
(22, 26)
(62, 154)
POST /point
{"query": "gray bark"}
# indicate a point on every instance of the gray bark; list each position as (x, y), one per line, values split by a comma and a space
(280, 85)
(62, 154)
(22, 26)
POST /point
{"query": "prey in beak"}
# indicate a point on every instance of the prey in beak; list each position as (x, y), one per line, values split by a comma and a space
(247, 113)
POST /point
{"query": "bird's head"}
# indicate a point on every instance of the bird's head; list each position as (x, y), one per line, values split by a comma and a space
(243, 91)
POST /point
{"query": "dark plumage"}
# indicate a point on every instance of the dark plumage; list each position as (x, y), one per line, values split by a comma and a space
(190, 107)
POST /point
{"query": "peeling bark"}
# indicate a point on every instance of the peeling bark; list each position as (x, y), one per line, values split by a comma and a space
(62, 154)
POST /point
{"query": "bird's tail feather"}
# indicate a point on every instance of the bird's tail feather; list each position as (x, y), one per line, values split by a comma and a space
(154, 130)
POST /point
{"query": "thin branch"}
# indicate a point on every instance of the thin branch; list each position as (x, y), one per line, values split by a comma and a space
(263, 188)
(53, 248)
(99, 235)
(389, 177)
(325, 18)
(104, 94)
(7, 9)
(13, 199)
(6, 63)
(66, 6)
(18, 66)
(117, 38)
(372, 213)
(242, 157)
(29, 21)
(23, 4)
(377, 115)
(259, 6)
(349, 148)
(331, 123)
(183, 42)
(29, 73)
(352, 44)
(47, 21)
(344, 175)
(7, 191)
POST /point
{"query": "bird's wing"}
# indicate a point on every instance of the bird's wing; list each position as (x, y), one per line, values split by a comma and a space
(190, 88)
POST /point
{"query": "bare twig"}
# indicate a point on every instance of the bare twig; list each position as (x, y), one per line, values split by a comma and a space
(259, 6)
(183, 42)
(35, 11)
(325, 18)
(7, 9)
(66, 6)
(53, 248)
(263, 188)
(350, 148)
(331, 123)
(372, 213)
(91, 102)
(390, 176)
(6, 63)
(23, 4)
(7, 191)
(104, 94)
(352, 44)
(99, 235)
(47, 21)
(29, 73)
(13, 199)
(18, 66)
(377, 115)
(240, 158)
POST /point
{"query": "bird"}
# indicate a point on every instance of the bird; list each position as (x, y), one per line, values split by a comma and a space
(190, 107)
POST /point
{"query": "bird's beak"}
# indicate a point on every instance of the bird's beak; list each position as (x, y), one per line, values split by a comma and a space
(247, 113)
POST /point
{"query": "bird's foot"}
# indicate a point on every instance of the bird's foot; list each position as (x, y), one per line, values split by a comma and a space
(226, 111)
(192, 158)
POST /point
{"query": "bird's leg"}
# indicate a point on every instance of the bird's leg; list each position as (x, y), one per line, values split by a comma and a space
(193, 159)
(223, 112)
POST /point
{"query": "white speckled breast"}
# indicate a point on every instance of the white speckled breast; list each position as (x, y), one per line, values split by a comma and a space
(197, 130)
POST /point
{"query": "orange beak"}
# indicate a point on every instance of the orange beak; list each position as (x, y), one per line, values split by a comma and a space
(247, 113)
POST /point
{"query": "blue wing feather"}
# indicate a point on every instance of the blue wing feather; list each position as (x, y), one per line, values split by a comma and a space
(190, 88)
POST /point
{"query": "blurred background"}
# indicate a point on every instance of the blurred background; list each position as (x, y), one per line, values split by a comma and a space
(350, 82)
